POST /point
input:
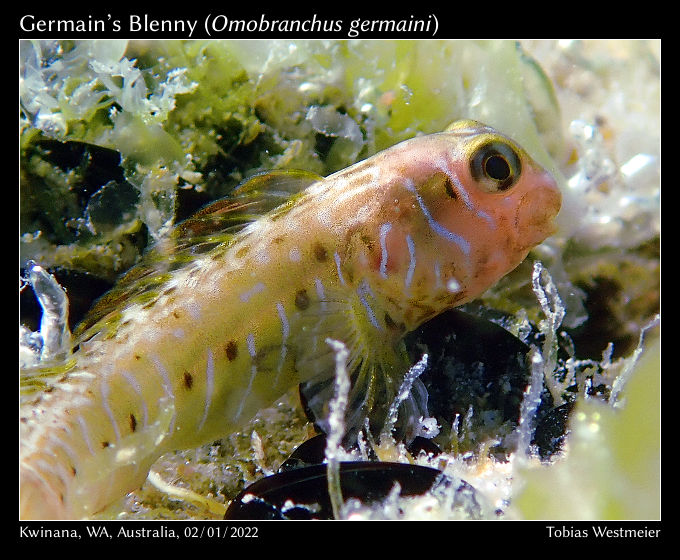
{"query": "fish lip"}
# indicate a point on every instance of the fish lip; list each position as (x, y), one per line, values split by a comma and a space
(551, 190)
(536, 220)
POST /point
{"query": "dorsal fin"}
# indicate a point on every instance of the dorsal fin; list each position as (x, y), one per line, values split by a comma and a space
(212, 226)
(251, 199)
(275, 186)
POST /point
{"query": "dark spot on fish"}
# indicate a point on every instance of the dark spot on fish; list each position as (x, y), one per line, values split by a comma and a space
(366, 240)
(483, 260)
(449, 188)
(453, 299)
(74, 472)
(61, 498)
(242, 252)
(320, 253)
(105, 444)
(427, 316)
(426, 311)
(189, 380)
(165, 293)
(389, 322)
(175, 314)
(217, 250)
(133, 422)
(138, 357)
(301, 300)
(279, 239)
(231, 350)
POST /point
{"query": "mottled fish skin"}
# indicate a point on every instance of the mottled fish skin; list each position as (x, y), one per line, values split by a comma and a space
(426, 225)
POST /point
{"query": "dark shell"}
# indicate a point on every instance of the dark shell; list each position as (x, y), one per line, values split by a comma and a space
(312, 452)
(551, 430)
(92, 189)
(473, 362)
(97, 165)
(303, 493)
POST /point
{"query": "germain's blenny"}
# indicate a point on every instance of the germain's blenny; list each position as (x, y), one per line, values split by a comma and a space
(223, 317)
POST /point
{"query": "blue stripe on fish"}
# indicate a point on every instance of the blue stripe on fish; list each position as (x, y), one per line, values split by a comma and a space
(285, 332)
(209, 386)
(412, 260)
(86, 434)
(106, 393)
(256, 289)
(362, 291)
(384, 230)
(336, 256)
(250, 342)
(439, 229)
(167, 386)
(137, 389)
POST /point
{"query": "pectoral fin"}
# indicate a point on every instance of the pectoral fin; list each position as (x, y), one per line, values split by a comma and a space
(377, 364)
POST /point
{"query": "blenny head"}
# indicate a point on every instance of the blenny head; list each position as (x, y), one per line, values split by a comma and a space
(496, 198)
(472, 208)
(505, 176)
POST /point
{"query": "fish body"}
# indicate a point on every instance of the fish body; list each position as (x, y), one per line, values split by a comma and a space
(362, 256)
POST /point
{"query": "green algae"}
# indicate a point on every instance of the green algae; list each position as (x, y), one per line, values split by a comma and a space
(612, 468)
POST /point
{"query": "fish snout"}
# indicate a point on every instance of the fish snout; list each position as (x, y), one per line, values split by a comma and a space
(536, 216)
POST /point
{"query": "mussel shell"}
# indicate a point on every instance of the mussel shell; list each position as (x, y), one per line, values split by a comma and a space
(473, 362)
(308, 453)
(303, 493)
(313, 452)
(97, 165)
(551, 430)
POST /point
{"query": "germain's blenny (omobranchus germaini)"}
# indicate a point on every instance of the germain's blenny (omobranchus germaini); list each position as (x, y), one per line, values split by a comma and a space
(234, 308)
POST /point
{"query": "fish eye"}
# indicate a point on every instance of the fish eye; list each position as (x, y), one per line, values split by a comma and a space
(496, 165)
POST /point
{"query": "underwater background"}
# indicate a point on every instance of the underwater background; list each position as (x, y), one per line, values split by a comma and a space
(119, 140)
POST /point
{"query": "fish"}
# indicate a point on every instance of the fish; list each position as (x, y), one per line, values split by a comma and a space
(234, 308)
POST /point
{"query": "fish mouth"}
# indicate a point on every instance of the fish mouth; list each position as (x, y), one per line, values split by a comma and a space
(536, 213)
(552, 202)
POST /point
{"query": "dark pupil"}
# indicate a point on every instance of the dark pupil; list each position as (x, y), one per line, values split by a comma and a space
(497, 168)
